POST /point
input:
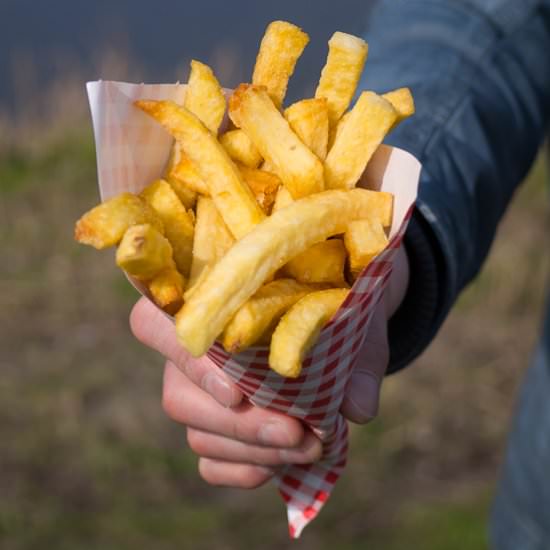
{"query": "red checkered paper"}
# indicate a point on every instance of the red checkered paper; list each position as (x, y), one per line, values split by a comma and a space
(132, 150)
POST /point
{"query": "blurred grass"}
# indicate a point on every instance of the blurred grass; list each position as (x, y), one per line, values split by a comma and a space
(90, 461)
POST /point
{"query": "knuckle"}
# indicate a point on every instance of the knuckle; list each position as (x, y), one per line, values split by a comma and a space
(196, 441)
(170, 402)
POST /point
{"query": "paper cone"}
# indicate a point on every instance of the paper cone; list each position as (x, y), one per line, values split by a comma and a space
(132, 150)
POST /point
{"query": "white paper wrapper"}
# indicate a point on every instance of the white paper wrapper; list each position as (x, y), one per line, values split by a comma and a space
(132, 150)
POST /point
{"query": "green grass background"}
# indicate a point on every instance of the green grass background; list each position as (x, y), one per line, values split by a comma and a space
(89, 461)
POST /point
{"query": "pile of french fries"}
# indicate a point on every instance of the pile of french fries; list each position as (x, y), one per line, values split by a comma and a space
(255, 233)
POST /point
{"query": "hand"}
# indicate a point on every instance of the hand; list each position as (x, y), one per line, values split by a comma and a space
(239, 444)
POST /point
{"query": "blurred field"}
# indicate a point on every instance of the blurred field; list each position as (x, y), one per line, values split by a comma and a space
(89, 461)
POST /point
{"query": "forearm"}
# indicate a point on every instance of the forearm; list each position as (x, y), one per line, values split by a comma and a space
(481, 83)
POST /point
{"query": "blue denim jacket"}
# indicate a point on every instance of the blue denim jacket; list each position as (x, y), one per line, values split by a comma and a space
(480, 75)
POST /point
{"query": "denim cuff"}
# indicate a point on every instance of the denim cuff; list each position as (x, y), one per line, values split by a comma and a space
(415, 323)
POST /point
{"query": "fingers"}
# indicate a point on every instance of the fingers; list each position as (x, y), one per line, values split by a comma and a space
(213, 446)
(225, 474)
(361, 400)
(151, 327)
(184, 402)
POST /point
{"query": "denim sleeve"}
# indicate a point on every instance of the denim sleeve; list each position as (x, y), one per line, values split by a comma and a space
(480, 75)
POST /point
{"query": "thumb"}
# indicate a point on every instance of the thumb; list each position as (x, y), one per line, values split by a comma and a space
(360, 402)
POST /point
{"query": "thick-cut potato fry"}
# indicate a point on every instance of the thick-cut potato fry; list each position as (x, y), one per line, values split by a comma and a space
(270, 245)
(282, 199)
(204, 96)
(369, 121)
(105, 225)
(212, 239)
(261, 312)
(364, 239)
(346, 58)
(300, 170)
(282, 45)
(323, 262)
(186, 195)
(143, 252)
(178, 224)
(402, 101)
(309, 119)
(166, 289)
(232, 196)
(240, 148)
(187, 173)
(299, 329)
(264, 185)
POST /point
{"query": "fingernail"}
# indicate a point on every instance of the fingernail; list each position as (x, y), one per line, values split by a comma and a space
(274, 434)
(303, 456)
(266, 471)
(363, 398)
(218, 388)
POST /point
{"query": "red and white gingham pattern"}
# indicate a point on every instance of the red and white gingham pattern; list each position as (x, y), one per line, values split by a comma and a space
(132, 151)
(316, 395)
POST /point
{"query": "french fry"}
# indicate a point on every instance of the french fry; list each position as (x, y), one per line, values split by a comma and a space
(144, 252)
(402, 101)
(300, 170)
(186, 195)
(270, 245)
(188, 175)
(263, 184)
(261, 312)
(345, 62)
(308, 118)
(204, 96)
(364, 239)
(232, 196)
(166, 289)
(281, 46)
(282, 199)
(299, 329)
(178, 224)
(240, 148)
(105, 225)
(369, 121)
(212, 239)
(323, 262)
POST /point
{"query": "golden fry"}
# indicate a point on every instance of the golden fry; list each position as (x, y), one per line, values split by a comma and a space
(178, 224)
(166, 289)
(323, 262)
(188, 175)
(264, 185)
(212, 239)
(232, 196)
(402, 101)
(369, 121)
(282, 45)
(270, 245)
(143, 252)
(309, 119)
(346, 58)
(186, 195)
(364, 239)
(260, 313)
(204, 96)
(106, 224)
(300, 170)
(282, 199)
(240, 148)
(299, 329)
